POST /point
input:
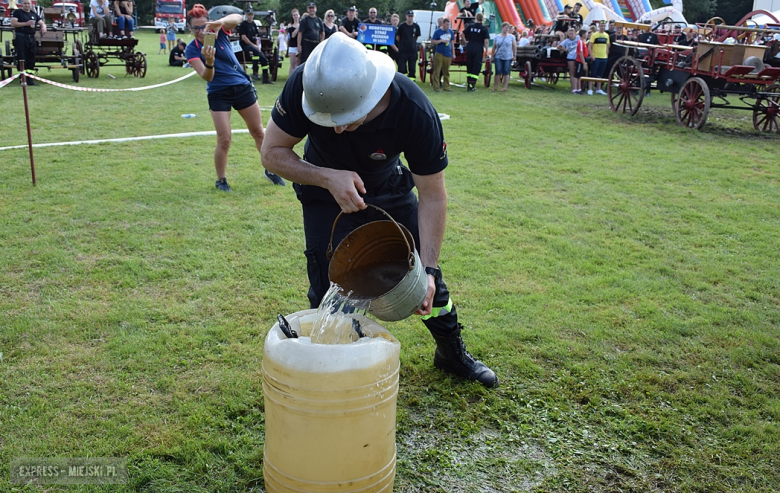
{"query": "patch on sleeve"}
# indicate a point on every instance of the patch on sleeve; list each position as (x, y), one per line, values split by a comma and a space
(443, 151)
(279, 108)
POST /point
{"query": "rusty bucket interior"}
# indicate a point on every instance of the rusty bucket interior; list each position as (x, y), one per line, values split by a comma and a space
(372, 259)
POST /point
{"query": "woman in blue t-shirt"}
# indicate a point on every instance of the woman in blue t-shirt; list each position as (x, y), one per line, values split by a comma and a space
(228, 86)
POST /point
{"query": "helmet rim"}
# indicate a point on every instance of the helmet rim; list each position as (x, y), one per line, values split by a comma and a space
(383, 76)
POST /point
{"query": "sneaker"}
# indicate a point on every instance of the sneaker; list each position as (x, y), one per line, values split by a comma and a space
(590, 92)
(599, 91)
(222, 184)
(275, 179)
(256, 77)
(186, 65)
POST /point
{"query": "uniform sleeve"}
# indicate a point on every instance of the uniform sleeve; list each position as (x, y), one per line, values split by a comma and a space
(192, 52)
(287, 112)
(427, 150)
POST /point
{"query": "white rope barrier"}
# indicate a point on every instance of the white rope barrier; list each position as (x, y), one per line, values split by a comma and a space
(125, 139)
(7, 81)
(93, 89)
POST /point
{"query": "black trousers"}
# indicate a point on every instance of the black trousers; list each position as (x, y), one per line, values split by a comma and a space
(318, 218)
(407, 63)
(260, 57)
(307, 46)
(25, 50)
(473, 66)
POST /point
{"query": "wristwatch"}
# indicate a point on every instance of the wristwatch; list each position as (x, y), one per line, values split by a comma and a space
(434, 271)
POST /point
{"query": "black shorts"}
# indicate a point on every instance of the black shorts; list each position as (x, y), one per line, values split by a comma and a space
(238, 97)
(579, 70)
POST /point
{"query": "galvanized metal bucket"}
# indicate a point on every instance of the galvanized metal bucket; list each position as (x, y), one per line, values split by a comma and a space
(378, 262)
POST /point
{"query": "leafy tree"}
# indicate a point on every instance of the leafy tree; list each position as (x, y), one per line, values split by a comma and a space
(694, 10)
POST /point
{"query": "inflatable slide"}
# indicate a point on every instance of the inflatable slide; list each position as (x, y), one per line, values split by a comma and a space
(657, 15)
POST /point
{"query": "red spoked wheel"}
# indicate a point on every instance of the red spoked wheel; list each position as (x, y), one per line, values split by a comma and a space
(626, 88)
(528, 77)
(488, 72)
(551, 77)
(92, 65)
(422, 63)
(273, 65)
(766, 112)
(140, 65)
(693, 103)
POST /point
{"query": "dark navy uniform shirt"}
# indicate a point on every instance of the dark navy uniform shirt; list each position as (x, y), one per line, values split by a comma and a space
(410, 125)
(407, 37)
(23, 16)
(476, 34)
(227, 71)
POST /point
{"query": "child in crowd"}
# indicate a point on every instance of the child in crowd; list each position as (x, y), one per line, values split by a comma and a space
(162, 42)
(170, 34)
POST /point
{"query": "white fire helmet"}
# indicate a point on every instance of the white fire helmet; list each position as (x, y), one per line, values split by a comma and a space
(343, 81)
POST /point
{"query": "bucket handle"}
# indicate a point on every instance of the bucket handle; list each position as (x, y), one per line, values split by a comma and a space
(329, 253)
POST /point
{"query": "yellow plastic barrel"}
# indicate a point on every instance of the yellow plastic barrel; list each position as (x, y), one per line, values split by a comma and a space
(329, 411)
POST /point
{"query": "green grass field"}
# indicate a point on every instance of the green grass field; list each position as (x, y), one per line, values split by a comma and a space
(621, 275)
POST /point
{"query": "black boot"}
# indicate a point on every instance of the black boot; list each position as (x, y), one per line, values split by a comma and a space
(452, 357)
(266, 80)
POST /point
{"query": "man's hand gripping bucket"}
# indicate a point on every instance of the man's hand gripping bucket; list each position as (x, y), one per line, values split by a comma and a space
(378, 261)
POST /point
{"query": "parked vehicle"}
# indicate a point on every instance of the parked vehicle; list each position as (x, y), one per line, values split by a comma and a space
(170, 8)
(73, 13)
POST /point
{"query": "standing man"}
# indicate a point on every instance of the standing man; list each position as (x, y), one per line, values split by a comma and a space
(406, 39)
(477, 41)
(311, 32)
(359, 115)
(373, 19)
(349, 24)
(442, 55)
(598, 46)
(24, 21)
(248, 32)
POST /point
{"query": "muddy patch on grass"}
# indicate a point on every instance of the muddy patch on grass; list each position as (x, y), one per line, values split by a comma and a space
(484, 462)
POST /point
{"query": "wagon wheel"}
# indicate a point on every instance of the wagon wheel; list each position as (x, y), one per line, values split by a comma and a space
(274, 67)
(626, 88)
(551, 77)
(140, 65)
(674, 101)
(423, 63)
(529, 75)
(76, 61)
(711, 25)
(766, 112)
(129, 65)
(693, 105)
(80, 49)
(430, 69)
(488, 72)
(92, 65)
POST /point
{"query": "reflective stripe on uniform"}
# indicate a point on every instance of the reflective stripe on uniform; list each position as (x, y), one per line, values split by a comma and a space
(473, 76)
(439, 311)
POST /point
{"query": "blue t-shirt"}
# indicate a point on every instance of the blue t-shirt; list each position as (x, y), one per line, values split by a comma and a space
(227, 70)
(443, 48)
(570, 45)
